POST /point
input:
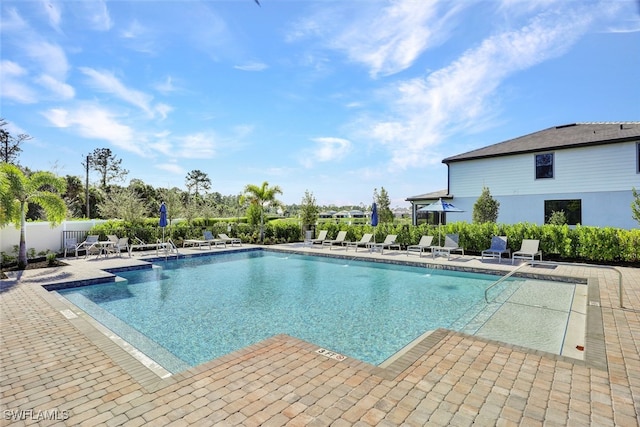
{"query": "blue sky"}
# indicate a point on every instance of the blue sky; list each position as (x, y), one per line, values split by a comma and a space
(334, 97)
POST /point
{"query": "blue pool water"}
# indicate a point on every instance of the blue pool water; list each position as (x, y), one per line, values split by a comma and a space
(192, 310)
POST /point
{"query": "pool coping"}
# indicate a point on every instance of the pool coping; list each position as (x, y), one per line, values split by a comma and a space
(152, 375)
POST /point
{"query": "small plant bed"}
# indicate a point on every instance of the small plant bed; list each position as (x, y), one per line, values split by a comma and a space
(33, 264)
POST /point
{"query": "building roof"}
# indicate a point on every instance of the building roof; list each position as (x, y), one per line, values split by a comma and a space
(558, 137)
(440, 194)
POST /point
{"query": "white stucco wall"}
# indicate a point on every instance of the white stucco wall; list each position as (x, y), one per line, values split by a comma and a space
(40, 235)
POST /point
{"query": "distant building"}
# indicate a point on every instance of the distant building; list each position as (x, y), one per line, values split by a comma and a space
(586, 170)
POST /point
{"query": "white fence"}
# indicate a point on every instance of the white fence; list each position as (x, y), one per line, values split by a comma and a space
(41, 236)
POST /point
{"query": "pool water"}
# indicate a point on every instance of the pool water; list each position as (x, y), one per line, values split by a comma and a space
(184, 312)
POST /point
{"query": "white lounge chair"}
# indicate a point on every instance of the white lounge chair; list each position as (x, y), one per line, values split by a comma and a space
(139, 244)
(423, 245)
(90, 245)
(231, 240)
(122, 244)
(389, 242)
(338, 240)
(322, 235)
(528, 250)
(498, 247)
(207, 239)
(363, 242)
(450, 245)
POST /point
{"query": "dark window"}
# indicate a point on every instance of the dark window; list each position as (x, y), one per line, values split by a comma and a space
(544, 165)
(571, 208)
(638, 155)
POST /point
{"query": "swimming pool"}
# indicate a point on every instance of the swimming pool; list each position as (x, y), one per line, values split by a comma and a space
(184, 312)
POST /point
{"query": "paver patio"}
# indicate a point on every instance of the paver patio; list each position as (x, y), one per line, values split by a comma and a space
(58, 368)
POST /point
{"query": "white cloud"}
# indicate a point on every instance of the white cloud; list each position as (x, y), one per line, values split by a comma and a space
(196, 146)
(456, 97)
(107, 82)
(252, 66)
(93, 122)
(96, 14)
(12, 85)
(327, 149)
(173, 168)
(52, 10)
(61, 89)
(387, 39)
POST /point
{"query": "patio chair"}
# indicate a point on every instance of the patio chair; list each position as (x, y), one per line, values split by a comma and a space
(498, 247)
(231, 240)
(71, 243)
(207, 239)
(423, 245)
(450, 245)
(528, 250)
(389, 242)
(322, 235)
(363, 242)
(338, 240)
(90, 245)
(112, 238)
(122, 244)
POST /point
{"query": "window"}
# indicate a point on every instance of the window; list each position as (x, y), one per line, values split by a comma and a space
(638, 157)
(544, 165)
(572, 210)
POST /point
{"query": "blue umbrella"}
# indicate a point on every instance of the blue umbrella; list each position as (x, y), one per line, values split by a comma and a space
(440, 206)
(374, 219)
(163, 218)
(374, 214)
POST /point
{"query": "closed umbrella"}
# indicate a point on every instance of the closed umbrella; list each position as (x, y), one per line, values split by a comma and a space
(163, 218)
(374, 219)
(440, 206)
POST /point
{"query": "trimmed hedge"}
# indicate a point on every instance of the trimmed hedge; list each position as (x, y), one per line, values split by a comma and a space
(588, 244)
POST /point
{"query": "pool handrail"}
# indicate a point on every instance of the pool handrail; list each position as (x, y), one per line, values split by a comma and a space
(570, 264)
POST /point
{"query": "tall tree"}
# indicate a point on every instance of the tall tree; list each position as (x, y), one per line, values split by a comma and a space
(486, 208)
(18, 190)
(10, 144)
(103, 161)
(197, 180)
(385, 214)
(125, 204)
(262, 197)
(308, 210)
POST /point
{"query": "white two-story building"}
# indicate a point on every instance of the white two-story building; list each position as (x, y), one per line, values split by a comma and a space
(586, 170)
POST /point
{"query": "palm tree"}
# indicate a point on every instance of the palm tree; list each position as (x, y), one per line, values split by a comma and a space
(18, 190)
(261, 196)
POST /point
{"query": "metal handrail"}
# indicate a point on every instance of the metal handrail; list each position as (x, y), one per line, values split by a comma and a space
(570, 264)
(502, 279)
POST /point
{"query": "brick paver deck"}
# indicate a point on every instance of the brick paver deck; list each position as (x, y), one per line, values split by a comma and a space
(57, 368)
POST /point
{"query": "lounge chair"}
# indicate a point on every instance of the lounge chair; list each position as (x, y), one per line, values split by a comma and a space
(363, 242)
(139, 244)
(70, 243)
(207, 239)
(389, 242)
(450, 245)
(423, 245)
(90, 245)
(322, 235)
(122, 244)
(498, 247)
(528, 250)
(338, 240)
(231, 240)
